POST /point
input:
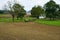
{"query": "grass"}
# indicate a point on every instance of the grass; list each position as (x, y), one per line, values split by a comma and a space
(28, 31)
(55, 23)
(8, 18)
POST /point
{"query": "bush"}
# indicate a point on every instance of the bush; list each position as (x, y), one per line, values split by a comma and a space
(26, 20)
(29, 19)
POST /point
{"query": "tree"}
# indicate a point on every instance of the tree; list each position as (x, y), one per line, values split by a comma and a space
(37, 11)
(50, 9)
(2, 11)
(19, 10)
(10, 10)
(22, 13)
(58, 13)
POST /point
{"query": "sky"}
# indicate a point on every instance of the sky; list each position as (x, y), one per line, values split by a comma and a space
(28, 4)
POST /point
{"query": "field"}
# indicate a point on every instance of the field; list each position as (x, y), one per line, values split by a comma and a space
(47, 22)
(37, 30)
(28, 31)
(8, 18)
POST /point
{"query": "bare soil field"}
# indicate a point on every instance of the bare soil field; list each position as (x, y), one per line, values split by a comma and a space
(28, 31)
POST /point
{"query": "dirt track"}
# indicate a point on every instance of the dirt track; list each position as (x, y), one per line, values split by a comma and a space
(28, 31)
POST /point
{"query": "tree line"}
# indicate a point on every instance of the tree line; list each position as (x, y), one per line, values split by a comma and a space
(50, 9)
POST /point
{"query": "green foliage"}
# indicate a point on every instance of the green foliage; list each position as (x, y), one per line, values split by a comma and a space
(2, 11)
(29, 19)
(19, 10)
(37, 11)
(51, 9)
(26, 20)
(58, 13)
(22, 13)
(47, 22)
(10, 20)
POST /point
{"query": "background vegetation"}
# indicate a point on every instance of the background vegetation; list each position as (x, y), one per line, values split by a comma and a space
(16, 13)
